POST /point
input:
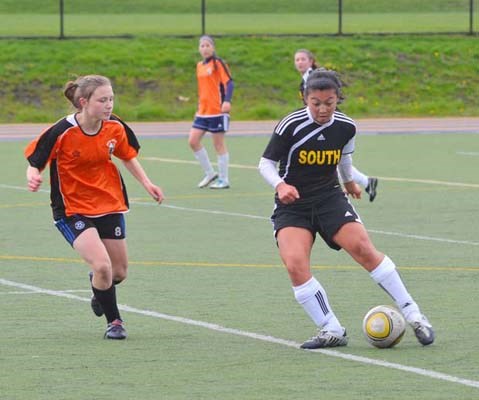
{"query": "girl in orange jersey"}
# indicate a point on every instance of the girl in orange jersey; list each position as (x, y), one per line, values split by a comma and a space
(88, 196)
(305, 63)
(215, 90)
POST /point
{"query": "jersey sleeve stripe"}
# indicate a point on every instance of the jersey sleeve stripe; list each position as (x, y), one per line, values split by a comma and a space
(132, 139)
(38, 152)
(285, 122)
(343, 117)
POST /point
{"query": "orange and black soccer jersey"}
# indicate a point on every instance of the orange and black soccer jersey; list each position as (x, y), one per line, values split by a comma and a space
(84, 180)
(213, 76)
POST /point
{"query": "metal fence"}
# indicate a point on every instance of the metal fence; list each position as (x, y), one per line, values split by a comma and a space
(124, 18)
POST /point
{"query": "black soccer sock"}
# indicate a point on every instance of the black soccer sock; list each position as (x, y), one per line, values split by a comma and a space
(107, 300)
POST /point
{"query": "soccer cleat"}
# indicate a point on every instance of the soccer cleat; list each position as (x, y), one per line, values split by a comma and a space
(207, 180)
(115, 330)
(325, 339)
(371, 188)
(96, 306)
(423, 330)
(220, 184)
(94, 303)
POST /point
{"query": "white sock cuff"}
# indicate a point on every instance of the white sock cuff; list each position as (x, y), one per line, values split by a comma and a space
(224, 157)
(304, 292)
(200, 152)
(202, 156)
(385, 267)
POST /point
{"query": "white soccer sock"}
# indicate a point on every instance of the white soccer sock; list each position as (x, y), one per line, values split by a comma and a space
(314, 300)
(223, 162)
(204, 160)
(386, 276)
(359, 177)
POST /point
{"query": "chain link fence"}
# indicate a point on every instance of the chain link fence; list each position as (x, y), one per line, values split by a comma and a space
(125, 18)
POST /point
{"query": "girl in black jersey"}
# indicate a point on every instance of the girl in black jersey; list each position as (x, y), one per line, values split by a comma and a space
(311, 145)
(305, 63)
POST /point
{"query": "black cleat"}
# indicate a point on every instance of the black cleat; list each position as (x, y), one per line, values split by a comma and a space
(115, 330)
(325, 339)
(423, 331)
(95, 305)
(371, 188)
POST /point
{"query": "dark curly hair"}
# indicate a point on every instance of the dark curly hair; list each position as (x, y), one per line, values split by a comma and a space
(324, 79)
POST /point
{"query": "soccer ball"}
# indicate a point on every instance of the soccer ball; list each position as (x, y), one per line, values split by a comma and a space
(384, 326)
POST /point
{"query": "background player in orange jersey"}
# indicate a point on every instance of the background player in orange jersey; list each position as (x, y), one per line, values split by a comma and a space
(215, 90)
(305, 63)
(88, 196)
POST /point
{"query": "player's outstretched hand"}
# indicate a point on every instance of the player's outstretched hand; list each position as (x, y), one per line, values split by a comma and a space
(34, 179)
(156, 193)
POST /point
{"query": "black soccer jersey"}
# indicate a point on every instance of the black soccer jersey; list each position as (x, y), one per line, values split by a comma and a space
(309, 153)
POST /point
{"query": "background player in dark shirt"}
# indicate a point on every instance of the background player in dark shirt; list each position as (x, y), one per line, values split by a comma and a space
(311, 145)
(305, 63)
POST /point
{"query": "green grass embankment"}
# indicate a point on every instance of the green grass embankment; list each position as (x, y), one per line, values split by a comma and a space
(386, 76)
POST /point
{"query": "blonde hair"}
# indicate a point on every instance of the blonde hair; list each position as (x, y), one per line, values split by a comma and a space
(83, 86)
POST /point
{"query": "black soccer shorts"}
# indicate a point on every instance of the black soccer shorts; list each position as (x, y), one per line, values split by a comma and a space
(323, 216)
(110, 226)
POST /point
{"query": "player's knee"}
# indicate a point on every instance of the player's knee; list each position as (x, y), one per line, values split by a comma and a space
(194, 143)
(296, 267)
(102, 270)
(120, 276)
(120, 271)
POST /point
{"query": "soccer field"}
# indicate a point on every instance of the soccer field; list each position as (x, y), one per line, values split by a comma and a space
(208, 307)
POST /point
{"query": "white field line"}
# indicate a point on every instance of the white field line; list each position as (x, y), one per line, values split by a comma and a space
(468, 153)
(59, 291)
(429, 238)
(177, 161)
(385, 178)
(232, 214)
(251, 216)
(255, 336)
(22, 188)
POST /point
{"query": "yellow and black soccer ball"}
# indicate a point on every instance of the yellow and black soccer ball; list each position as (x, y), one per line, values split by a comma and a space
(384, 326)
